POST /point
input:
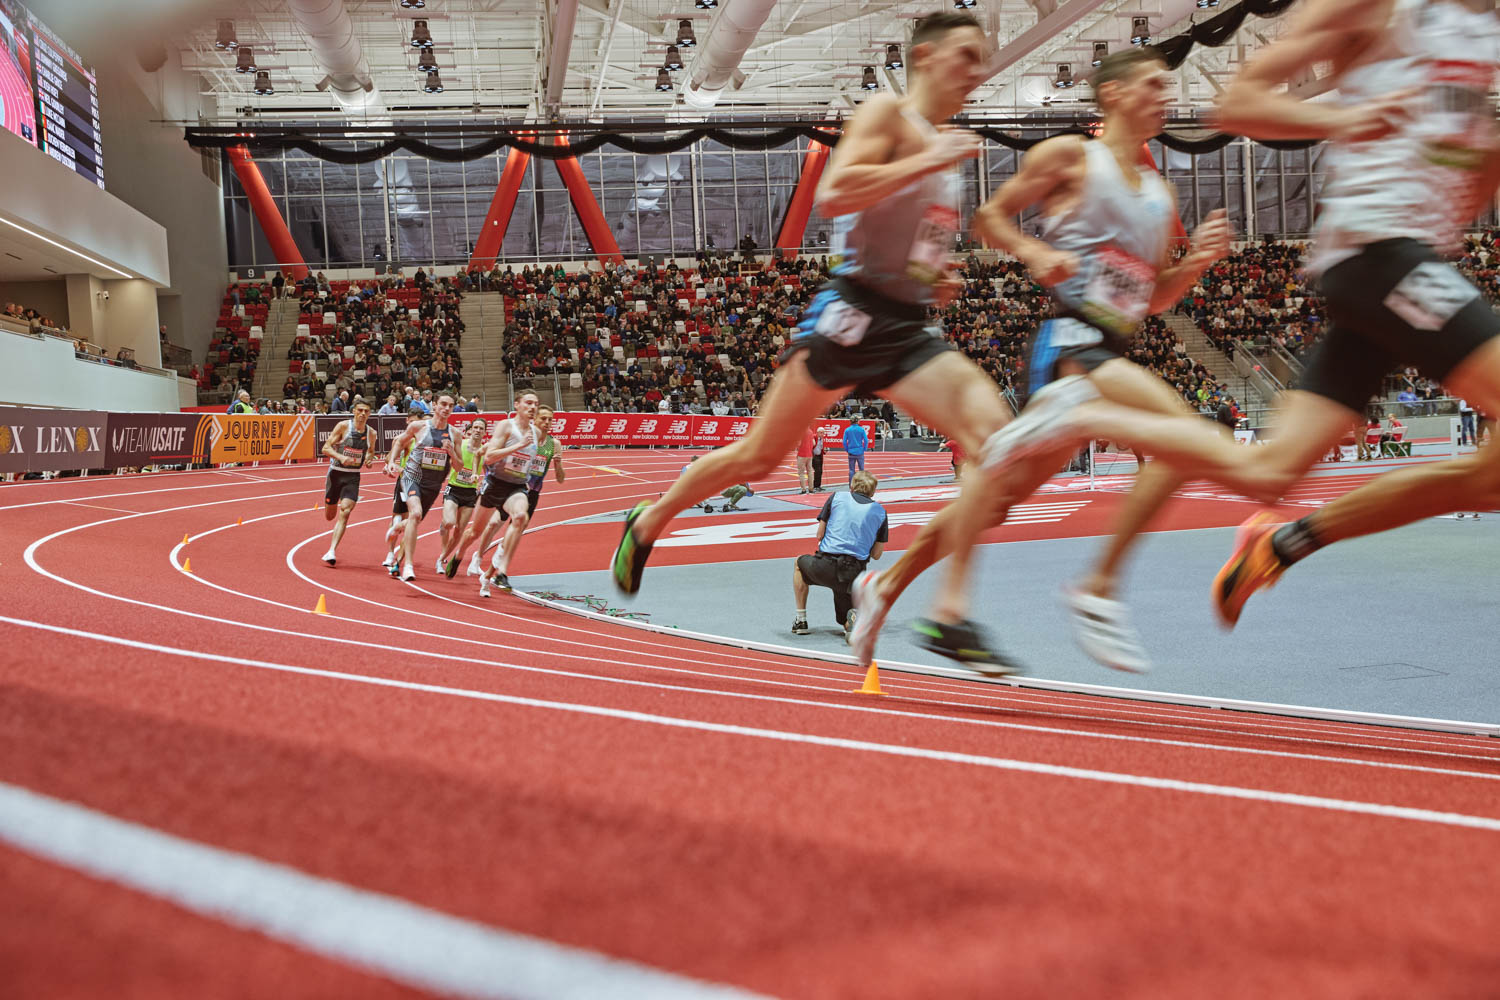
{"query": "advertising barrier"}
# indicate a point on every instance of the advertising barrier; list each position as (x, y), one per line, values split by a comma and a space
(52, 440)
(37, 440)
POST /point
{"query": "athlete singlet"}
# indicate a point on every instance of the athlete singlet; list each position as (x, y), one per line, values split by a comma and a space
(513, 468)
(899, 245)
(427, 462)
(467, 475)
(536, 472)
(352, 450)
(1119, 235)
(1417, 182)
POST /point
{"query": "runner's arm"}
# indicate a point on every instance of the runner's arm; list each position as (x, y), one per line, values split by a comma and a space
(399, 446)
(557, 464)
(1048, 167)
(1210, 243)
(1334, 31)
(861, 171)
(335, 437)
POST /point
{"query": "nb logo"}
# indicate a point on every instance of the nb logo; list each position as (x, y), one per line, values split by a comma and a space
(648, 426)
(615, 427)
(709, 427)
(586, 426)
(677, 427)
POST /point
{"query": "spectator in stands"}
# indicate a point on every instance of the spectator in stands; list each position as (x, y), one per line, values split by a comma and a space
(852, 530)
(242, 403)
(340, 402)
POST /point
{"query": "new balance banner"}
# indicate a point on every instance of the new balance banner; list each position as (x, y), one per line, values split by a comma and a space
(52, 440)
(137, 439)
(832, 429)
(710, 431)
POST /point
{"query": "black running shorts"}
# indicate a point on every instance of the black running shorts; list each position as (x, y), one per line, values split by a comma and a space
(428, 492)
(532, 496)
(1397, 303)
(398, 509)
(497, 491)
(463, 496)
(858, 338)
(341, 485)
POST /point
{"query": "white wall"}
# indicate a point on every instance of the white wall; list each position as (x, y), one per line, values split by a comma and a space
(44, 372)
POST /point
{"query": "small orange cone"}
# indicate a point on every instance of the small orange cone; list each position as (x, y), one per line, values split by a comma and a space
(872, 681)
(239, 521)
(187, 565)
(322, 608)
(185, 538)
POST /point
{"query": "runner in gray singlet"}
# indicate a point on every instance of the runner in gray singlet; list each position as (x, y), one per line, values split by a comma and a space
(433, 447)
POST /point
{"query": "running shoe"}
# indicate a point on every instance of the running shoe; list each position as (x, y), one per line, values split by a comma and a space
(1103, 630)
(390, 557)
(502, 582)
(630, 557)
(1044, 425)
(437, 567)
(849, 624)
(394, 568)
(474, 569)
(966, 644)
(869, 611)
(484, 585)
(799, 627)
(451, 570)
(329, 557)
(408, 573)
(1252, 566)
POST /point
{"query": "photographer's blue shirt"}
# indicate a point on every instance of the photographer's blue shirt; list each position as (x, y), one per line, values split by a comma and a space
(855, 524)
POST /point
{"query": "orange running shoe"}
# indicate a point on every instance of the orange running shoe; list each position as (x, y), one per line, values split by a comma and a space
(1252, 566)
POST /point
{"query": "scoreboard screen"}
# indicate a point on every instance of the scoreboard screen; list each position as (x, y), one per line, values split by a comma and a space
(48, 95)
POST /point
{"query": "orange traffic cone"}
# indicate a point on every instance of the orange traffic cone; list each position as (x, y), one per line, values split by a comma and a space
(187, 565)
(185, 538)
(872, 681)
(322, 608)
(239, 521)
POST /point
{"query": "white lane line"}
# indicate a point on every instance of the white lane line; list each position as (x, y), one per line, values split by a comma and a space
(99, 506)
(835, 742)
(165, 489)
(384, 934)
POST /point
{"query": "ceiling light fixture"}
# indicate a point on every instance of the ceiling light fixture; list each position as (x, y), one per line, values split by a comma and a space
(1064, 78)
(426, 62)
(226, 40)
(867, 79)
(420, 37)
(663, 79)
(263, 86)
(673, 59)
(434, 84)
(1101, 49)
(244, 61)
(1140, 31)
(705, 4)
(685, 36)
(414, 4)
(893, 56)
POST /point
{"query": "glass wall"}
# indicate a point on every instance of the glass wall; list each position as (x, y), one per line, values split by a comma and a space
(414, 211)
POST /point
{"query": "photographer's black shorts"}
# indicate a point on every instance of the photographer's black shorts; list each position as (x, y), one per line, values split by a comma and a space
(820, 569)
(1396, 303)
(897, 340)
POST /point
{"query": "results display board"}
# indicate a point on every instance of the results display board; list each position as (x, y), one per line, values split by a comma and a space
(48, 95)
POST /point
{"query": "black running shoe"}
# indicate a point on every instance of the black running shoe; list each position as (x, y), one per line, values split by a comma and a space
(501, 581)
(630, 557)
(799, 627)
(451, 570)
(966, 644)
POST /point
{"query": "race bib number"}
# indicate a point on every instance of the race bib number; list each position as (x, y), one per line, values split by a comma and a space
(537, 467)
(517, 463)
(434, 458)
(842, 323)
(932, 244)
(466, 477)
(1461, 131)
(1430, 296)
(351, 458)
(1118, 295)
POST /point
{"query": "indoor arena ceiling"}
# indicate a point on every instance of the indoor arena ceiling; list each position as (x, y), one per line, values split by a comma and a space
(496, 58)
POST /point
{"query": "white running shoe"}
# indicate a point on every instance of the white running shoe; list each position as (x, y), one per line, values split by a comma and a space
(390, 557)
(1045, 423)
(484, 585)
(870, 612)
(408, 573)
(438, 566)
(329, 557)
(1103, 630)
(474, 569)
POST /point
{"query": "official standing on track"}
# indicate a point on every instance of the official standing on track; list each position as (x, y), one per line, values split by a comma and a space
(856, 443)
(852, 530)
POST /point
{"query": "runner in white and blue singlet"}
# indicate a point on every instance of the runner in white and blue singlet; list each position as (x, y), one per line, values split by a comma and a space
(433, 447)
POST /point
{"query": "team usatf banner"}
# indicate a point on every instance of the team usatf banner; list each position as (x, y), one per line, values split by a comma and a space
(52, 440)
(139, 439)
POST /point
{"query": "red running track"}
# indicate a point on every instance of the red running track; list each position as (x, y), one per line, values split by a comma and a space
(726, 816)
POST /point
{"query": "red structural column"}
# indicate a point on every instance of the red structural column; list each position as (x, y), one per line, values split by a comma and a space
(492, 237)
(288, 257)
(594, 224)
(799, 209)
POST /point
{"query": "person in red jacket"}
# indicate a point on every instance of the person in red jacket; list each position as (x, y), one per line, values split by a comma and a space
(804, 461)
(959, 457)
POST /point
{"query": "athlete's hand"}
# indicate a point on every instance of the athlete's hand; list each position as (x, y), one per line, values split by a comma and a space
(952, 145)
(947, 288)
(1211, 239)
(390, 470)
(1050, 266)
(1376, 119)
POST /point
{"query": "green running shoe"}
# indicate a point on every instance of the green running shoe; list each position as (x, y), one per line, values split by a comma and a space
(966, 644)
(630, 557)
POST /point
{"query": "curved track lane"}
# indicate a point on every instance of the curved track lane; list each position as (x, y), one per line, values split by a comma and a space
(726, 815)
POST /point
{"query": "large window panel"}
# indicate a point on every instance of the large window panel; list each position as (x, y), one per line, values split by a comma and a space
(720, 220)
(521, 235)
(304, 218)
(411, 209)
(304, 174)
(343, 229)
(618, 205)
